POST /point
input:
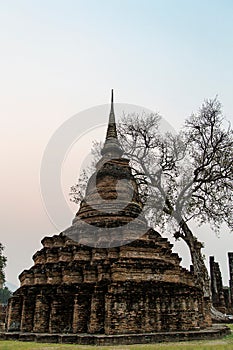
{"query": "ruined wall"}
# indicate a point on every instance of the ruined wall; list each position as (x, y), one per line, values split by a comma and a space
(222, 297)
(2, 317)
(218, 299)
(227, 298)
(230, 257)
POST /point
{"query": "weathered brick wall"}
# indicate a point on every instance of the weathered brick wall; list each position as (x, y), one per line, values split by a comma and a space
(217, 286)
(2, 316)
(227, 298)
(135, 288)
(138, 287)
(230, 257)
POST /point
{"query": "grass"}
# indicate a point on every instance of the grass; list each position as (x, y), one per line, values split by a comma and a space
(230, 326)
(225, 343)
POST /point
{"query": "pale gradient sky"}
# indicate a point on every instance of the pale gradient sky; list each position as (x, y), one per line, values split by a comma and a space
(61, 57)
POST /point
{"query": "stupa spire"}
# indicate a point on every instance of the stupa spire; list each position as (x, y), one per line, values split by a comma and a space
(112, 145)
(112, 109)
(111, 131)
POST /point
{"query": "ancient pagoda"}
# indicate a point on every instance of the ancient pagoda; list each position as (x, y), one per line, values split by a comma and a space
(109, 273)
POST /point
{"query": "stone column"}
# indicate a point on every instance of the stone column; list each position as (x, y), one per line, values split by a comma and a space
(2, 318)
(183, 313)
(80, 313)
(96, 323)
(55, 317)
(207, 315)
(172, 315)
(14, 313)
(158, 315)
(227, 298)
(41, 315)
(108, 313)
(147, 314)
(230, 257)
(195, 312)
(217, 286)
(213, 282)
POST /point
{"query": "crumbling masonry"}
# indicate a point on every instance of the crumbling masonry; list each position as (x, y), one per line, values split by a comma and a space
(136, 284)
(221, 296)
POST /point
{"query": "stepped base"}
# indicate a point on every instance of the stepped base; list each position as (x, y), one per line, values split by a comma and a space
(214, 332)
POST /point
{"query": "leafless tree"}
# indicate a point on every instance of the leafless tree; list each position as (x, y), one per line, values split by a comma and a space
(182, 177)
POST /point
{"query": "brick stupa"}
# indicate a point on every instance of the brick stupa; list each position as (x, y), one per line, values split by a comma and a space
(109, 273)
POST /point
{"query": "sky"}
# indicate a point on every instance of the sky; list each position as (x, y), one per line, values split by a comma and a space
(59, 58)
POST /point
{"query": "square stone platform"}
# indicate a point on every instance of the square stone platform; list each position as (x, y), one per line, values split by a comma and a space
(215, 332)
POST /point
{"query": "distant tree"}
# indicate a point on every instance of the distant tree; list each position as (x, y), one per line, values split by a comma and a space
(2, 265)
(5, 294)
(182, 178)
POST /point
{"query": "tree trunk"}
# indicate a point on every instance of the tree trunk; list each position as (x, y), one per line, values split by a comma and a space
(199, 267)
(200, 270)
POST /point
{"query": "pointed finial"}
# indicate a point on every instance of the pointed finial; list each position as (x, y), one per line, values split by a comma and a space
(111, 141)
(112, 121)
(111, 132)
(112, 108)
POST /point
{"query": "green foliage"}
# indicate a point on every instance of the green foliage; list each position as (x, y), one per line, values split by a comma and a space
(230, 325)
(5, 294)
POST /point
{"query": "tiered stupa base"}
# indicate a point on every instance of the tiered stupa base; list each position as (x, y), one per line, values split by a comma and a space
(139, 287)
(86, 280)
